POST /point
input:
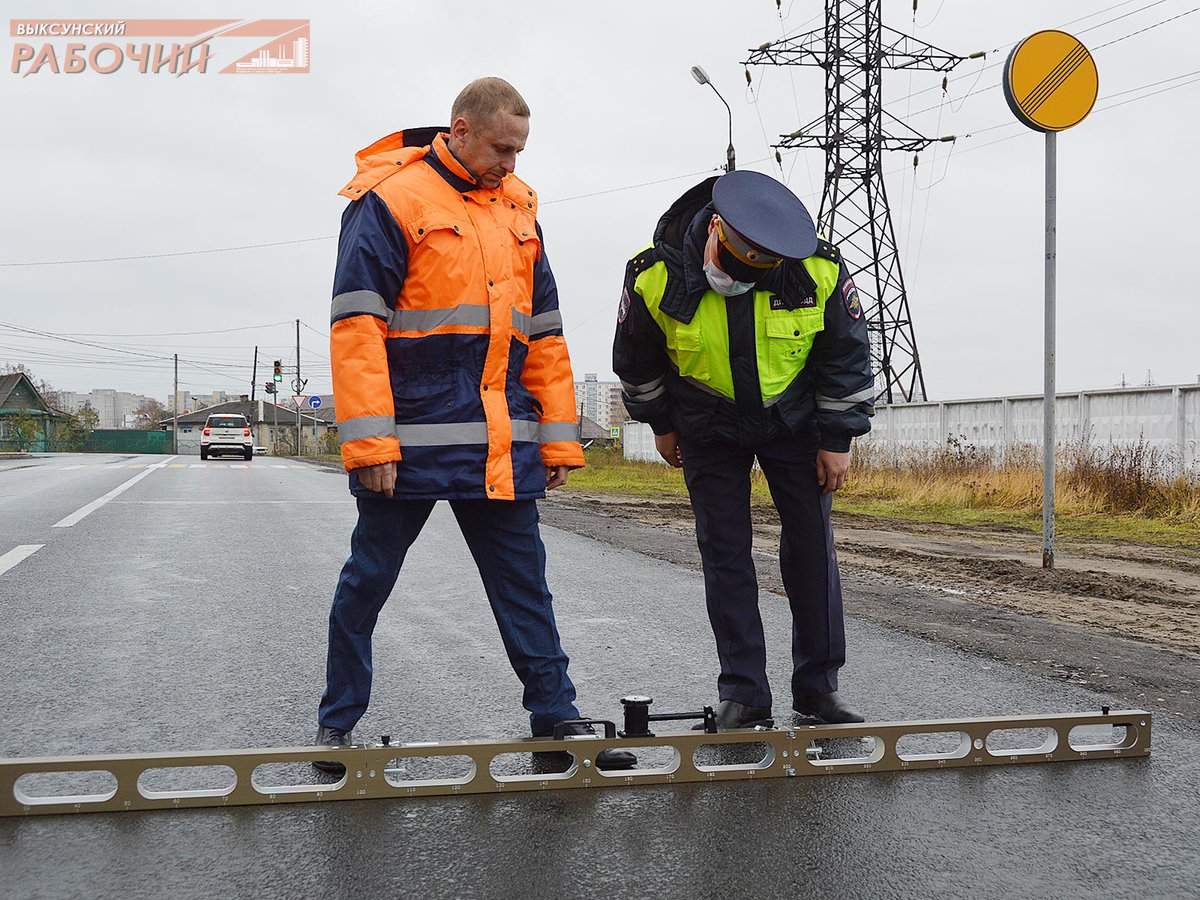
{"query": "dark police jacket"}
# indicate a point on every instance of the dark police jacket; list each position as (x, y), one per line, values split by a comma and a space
(834, 393)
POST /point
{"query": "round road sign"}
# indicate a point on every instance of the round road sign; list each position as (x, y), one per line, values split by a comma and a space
(1050, 81)
(314, 402)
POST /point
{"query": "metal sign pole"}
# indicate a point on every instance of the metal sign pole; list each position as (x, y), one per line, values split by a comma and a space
(1048, 399)
(1050, 84)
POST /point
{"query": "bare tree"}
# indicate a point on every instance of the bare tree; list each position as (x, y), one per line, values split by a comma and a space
(149, 414)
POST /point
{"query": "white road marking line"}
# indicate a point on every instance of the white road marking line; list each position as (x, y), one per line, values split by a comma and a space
(86, 511)
(347, 501)
(278, 467)
(237, 466)
(198, 466)
(14, 556)
(69, 468)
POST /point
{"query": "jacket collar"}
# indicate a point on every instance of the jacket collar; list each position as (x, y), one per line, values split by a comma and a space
(679, 242)
(446, 164)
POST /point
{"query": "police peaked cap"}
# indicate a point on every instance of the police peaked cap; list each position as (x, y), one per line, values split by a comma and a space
(766, 213)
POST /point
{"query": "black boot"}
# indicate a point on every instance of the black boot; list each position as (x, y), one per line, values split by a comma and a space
(829, 708)
(331, 737)
(730, 714)
(550, 761)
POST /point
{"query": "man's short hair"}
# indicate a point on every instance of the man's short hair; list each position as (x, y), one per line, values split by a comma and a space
(483, 98)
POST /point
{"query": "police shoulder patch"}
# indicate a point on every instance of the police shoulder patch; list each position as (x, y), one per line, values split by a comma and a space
(850, 299)
(623, 307)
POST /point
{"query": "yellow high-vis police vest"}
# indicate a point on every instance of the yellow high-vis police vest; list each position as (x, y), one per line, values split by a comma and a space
(783, 338)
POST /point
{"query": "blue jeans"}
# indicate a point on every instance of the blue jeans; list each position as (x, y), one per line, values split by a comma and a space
(504, 540)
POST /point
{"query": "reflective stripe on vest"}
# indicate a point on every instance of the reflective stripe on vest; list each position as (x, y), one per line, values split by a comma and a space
(783, 338)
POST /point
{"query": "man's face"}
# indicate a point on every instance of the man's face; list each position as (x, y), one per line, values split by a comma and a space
(489, 149)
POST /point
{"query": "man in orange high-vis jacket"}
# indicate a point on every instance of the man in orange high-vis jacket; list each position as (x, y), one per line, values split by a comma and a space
(452, 382)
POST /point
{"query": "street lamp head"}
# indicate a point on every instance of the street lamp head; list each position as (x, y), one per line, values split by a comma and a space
(700, 75)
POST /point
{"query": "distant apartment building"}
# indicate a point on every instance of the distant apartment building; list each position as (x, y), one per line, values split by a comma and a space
(116, 409)
(600, 401)
(189, 402)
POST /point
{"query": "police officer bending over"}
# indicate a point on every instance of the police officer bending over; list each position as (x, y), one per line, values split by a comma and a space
(740, 335)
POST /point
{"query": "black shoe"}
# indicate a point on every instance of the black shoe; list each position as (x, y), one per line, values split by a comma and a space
(551, 761)
(829, 708)
(731, 714)
(331, 737)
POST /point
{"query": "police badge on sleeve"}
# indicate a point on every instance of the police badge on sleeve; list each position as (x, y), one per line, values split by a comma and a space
(850, 299)
(623, 306)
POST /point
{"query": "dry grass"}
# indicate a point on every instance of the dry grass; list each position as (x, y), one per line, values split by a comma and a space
(1113, 493)
(1135, 481)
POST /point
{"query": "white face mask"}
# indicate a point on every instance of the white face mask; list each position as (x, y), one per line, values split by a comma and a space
(722, 283)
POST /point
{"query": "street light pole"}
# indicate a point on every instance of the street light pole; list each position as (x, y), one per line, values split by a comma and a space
(702, 78)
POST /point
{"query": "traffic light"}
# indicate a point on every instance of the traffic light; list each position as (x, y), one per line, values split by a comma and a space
(278, 370)
(269, 387)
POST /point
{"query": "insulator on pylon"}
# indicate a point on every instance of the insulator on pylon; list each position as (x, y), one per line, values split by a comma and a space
(916, 159)
(749, 80)
(945, 83)
(779, 159)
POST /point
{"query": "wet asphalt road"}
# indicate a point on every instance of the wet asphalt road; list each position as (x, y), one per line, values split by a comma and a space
(188, 613)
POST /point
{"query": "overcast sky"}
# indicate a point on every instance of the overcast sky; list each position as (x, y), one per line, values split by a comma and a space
(130, 164)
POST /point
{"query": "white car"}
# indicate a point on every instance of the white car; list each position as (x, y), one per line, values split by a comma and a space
(226, 433)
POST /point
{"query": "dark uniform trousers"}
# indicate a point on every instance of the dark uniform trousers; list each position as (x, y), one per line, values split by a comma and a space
(503, 538)
(718, 480)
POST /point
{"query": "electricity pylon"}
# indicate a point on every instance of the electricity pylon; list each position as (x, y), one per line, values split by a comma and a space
(853, 48)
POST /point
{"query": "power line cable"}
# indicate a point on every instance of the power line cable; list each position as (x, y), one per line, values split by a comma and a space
(931, 21)
(1132, 12)
(73, 262)
(1005, 46)
(175, 333)
(1149, 28)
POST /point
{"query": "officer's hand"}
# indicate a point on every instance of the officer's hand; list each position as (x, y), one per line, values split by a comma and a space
(668, 448)
(556, 476)
(380, 478)
(832, 469)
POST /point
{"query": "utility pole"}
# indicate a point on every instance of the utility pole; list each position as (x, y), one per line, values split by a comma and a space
(299, 385)
(175, 410)
(254, 375)
(853, 48)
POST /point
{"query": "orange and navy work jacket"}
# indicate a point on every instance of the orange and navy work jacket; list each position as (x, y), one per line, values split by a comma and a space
(446, 338)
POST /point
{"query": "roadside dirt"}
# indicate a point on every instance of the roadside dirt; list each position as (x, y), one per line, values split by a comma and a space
(1119, 617)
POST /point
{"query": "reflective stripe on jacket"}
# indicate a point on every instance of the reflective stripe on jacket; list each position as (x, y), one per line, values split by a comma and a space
(446, 338)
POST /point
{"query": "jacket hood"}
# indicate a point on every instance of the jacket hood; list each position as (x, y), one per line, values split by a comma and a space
(379, 160)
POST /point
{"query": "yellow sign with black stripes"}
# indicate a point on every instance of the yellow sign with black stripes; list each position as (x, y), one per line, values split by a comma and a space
(1050, 81)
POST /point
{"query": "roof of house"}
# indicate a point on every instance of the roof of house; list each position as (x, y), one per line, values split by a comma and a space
(591, 430)
(271, 414)
(10, 394)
